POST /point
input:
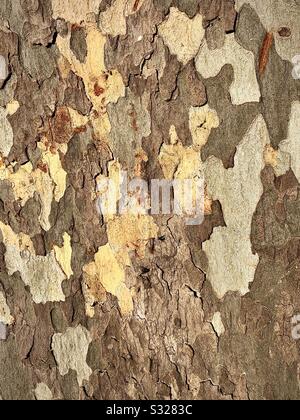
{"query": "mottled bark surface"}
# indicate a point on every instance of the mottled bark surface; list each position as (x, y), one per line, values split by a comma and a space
(147, 307)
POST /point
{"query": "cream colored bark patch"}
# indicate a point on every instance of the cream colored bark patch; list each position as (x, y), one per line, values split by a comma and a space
(105, 271)
(77, 120)
(182, 35)
(64, 256)
(108, 189)
(3, 68)
(231, 263)
(218, 324)
(245, 87)
(70, 351)
(6, 132)
(5, 316)
(20, 241)
(202, 120)
(287, 155)
(275, 15)
(179, 162)
(74, 11)
(113, 20)
(291, 146)
(42, 274)
(43, 393)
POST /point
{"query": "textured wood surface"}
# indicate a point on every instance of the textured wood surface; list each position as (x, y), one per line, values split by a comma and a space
(148, 307)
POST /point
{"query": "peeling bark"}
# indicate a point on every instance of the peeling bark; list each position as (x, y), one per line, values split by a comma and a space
(119, 306)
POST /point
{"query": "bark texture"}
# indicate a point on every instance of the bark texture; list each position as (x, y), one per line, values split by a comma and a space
(147, 307)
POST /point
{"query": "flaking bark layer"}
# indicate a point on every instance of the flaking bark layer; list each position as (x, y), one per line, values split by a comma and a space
(148, 307)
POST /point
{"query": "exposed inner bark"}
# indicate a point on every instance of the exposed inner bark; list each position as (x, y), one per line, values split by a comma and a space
(146, 306)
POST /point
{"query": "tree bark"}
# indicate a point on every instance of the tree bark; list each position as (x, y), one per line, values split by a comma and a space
(148, 306)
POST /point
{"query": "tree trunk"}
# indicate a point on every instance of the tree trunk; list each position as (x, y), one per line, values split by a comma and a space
(100, 303)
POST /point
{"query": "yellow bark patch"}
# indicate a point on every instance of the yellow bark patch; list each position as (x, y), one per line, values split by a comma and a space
(19, 241)
(179, 162)
(106, 271)
(270, 156)
(56, 171)
(64, 256)
(184, 163)
(201, 121)
(102, 87)
(128, 233)
(12, 107)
